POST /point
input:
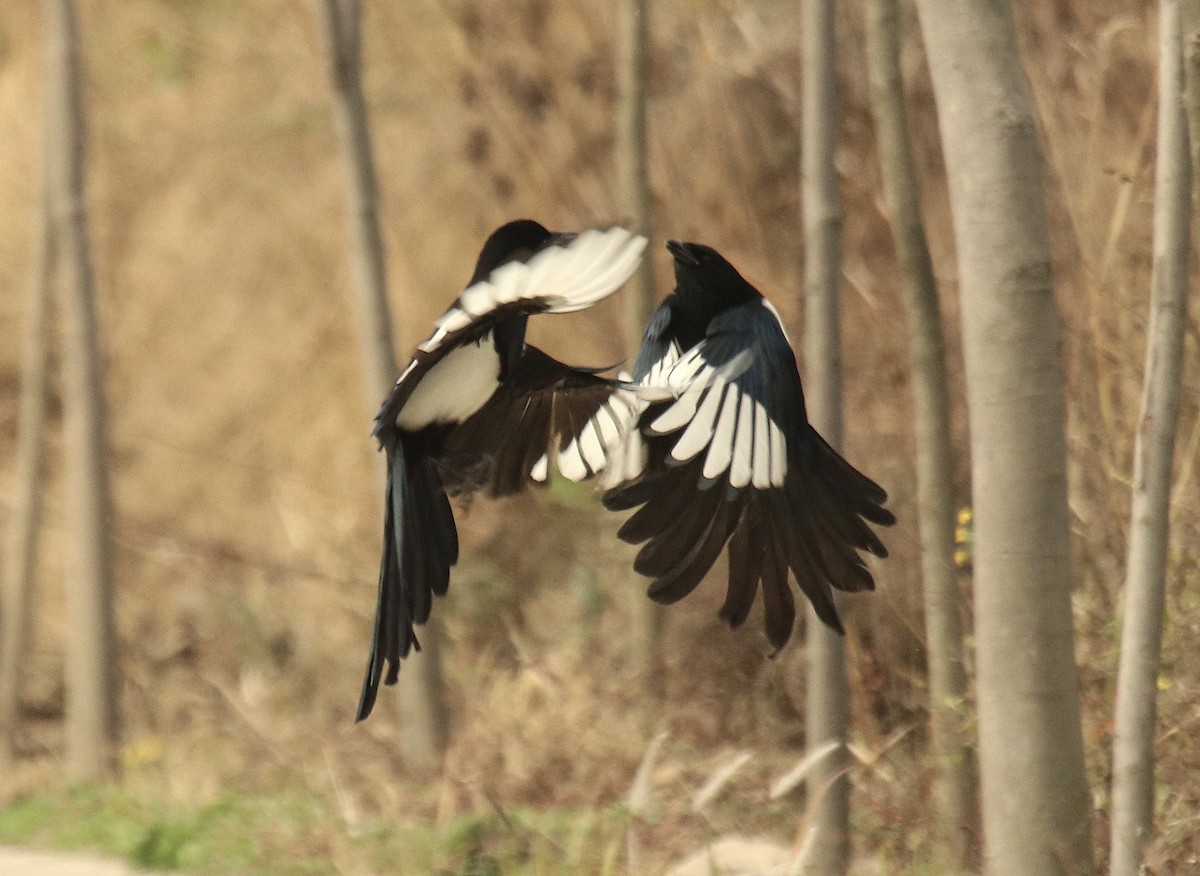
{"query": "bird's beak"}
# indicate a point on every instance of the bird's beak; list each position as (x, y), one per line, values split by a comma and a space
(682, 253)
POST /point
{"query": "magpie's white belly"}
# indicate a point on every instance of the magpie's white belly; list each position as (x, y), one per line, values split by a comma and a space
(453, 389)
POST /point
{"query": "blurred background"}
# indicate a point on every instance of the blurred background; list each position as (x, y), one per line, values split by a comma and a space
(246, 520)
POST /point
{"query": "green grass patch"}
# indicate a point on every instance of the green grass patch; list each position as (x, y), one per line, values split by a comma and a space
(269, 835)
(281, 836)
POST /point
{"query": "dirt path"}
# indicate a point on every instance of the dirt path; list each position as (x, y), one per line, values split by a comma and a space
(25, 862)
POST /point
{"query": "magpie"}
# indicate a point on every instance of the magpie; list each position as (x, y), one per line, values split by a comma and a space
(725, 455)
(478, 410)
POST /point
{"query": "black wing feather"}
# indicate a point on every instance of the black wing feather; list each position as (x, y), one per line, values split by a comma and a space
(812, 523)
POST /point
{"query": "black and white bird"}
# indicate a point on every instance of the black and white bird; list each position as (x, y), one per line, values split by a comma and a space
(727, 455)
(479, 410)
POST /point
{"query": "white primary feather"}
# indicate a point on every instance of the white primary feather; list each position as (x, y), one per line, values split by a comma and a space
(720, 451)
(699, 431)
(681, 375)
(568, 277)
(608, 422)
(626, 462)
(570, 463)
(602, 435)
(605, 261)
(591, 448)
(761, 477)
(540, 469)
(451, 321)
(679, 414)
(743, 450)
(778, 455)
(598, 263)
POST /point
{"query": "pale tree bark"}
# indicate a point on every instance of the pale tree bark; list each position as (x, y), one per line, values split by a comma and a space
(91, 724)
(20, 571)
(637, 204)
(1154, 450)
(955, 791)
(827, 705)
(423, 713)
(1035, 800)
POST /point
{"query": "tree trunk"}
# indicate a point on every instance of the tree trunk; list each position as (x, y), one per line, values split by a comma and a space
(422, 704)
(637, 204)
(955, 791)
(20, 572)
(827, 704)
(1035, 798)
(91, 731)
(1154, 449)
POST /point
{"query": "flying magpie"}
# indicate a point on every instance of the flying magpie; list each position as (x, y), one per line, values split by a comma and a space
(726, 455)
(479, 410)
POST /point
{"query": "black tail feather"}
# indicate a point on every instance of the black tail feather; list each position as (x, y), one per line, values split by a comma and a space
(420, 544)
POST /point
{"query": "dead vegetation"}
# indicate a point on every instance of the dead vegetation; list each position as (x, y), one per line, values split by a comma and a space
(246, 518)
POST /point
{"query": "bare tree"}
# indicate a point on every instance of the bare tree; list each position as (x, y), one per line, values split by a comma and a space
(956, 795)
(1035, 799)
(1154, 450)
(91, 732)
(20, 572)
(827, 706)
(637, 203)
(423, 712)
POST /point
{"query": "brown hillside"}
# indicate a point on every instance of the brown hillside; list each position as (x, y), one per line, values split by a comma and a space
(246, 514)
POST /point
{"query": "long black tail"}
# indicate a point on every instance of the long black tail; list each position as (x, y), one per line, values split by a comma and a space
(420, 544)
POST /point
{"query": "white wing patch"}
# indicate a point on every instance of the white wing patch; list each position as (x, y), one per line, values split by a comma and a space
(714, 416)
(567, 277)
(711, 414)
(601, 437)
(613, 428)
(458, 385)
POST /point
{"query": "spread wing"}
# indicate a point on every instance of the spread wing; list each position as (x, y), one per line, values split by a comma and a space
(571, 273)
(732, 459)
(546, 410)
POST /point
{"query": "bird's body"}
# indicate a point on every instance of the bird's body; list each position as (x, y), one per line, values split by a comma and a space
(479, 410)
(728, 457)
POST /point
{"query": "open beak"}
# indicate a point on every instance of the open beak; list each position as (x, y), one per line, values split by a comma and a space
(682, 252)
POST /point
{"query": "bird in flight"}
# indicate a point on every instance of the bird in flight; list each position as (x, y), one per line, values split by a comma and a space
(479, 410)
(726, 455)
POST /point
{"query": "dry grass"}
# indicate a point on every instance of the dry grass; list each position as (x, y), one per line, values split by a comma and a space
(246, 517)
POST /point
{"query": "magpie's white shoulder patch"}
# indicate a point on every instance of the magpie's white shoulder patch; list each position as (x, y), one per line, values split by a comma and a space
(457, 386)
(564, 278)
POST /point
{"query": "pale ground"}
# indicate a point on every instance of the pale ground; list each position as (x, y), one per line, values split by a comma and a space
(22, 862)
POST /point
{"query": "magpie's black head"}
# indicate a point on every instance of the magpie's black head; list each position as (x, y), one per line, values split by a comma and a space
(514, 240)
(703, 274)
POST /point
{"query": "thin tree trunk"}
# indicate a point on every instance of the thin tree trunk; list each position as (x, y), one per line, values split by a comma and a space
(1035, 801)
(955, 792)
(1154, 450)
(637, 204)
(20, 572)
(422, 703)
(91, 732)
(827, 703)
